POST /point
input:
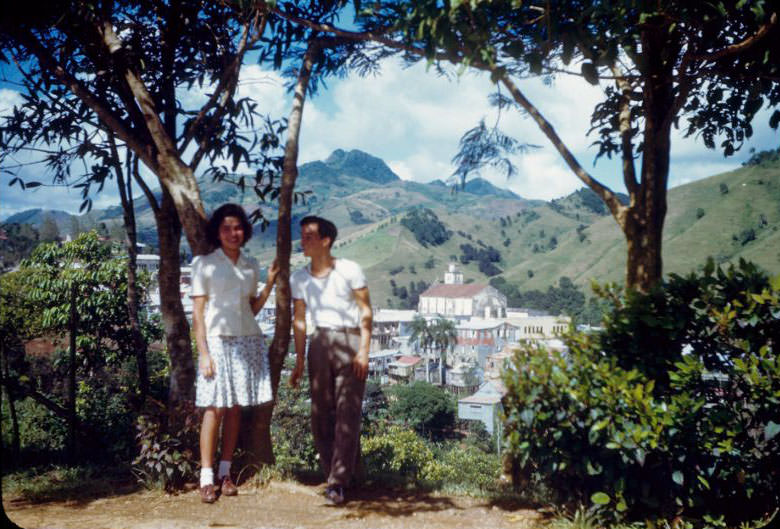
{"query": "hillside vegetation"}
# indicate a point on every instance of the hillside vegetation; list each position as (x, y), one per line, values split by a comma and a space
(727, 216)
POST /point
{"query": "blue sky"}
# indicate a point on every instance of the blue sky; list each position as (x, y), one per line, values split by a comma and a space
(413, 119)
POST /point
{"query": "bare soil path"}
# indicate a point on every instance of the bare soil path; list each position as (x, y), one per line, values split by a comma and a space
(280, 505)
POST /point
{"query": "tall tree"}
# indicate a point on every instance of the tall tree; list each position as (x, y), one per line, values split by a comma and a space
(91, 66)
(422, 335)
(708, 67)
(80, 291)
(445, 337)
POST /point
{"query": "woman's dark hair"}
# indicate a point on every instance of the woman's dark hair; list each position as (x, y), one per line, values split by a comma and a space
(227, 210)
(325, 228)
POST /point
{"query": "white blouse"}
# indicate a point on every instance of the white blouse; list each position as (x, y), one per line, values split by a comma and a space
(229, 288)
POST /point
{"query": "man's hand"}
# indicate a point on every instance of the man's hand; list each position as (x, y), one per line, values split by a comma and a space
(360, 365)
(206, 365)
(295, 377)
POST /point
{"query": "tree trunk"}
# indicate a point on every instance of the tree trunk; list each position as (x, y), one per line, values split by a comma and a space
(73, 328)
(15, 441)
(177, 328)
(139, 343)
(644, 221)
(260, 442)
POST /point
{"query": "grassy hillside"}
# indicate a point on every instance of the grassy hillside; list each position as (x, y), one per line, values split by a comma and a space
(704, 219)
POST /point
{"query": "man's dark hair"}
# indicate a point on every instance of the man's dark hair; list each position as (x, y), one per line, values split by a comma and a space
(325, 228)
(227, 210)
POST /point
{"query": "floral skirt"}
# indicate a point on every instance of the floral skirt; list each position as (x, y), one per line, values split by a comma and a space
(242, 375)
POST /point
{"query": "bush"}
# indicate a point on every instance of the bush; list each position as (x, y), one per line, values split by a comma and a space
(165, 457)
(464, 466)
(427, 409)
(398, 452)
(628, 419)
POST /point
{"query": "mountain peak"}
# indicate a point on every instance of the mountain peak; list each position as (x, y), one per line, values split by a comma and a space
(362, 165)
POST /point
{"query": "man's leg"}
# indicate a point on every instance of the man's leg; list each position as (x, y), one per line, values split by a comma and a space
(322, 400)
(348, 393)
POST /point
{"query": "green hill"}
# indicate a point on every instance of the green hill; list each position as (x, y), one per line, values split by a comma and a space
(728, 216)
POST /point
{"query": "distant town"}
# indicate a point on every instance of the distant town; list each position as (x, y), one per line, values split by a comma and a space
(485, 332)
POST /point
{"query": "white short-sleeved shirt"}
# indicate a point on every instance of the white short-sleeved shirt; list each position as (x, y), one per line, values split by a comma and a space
(330, 300)
(229, 288)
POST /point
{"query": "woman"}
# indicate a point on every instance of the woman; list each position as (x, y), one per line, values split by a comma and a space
(233, 369)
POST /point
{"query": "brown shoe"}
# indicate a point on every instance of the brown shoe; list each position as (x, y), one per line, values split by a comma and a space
(228, 488)
(208, 494)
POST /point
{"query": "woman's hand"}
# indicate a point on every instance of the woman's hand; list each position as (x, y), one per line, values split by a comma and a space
(206, 365)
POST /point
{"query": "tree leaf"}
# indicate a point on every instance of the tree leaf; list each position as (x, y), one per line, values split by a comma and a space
(771, 430)
(678, 477)
(600, 498)
(590, 73)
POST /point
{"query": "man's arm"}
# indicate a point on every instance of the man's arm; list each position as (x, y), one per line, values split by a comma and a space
(363, 300)
(299, 337)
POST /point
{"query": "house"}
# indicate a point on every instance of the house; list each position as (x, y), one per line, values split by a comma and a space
(379, 363)
(391, 329)
(463, 378)
(484, 405)
(402, 369)
(148, 262)
(454, 299)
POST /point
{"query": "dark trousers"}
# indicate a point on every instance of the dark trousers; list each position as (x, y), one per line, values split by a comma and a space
(336, 402)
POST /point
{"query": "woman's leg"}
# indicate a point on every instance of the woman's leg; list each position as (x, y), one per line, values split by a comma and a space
(209, 429)
(230, 432)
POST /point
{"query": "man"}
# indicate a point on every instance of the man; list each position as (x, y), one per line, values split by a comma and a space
(334, 293)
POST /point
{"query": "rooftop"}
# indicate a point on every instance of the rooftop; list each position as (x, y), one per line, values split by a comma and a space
(453, 291)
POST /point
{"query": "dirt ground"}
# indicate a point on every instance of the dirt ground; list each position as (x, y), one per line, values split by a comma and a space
(280, 505)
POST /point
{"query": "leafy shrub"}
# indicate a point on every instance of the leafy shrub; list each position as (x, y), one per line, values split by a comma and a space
(628, 419)
(426, 408)
(399, 452)
(165, 441)
(291, 429)
(467, 466)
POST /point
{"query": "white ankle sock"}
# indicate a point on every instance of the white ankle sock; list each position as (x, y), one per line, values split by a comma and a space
(224, 469)
(206, 476)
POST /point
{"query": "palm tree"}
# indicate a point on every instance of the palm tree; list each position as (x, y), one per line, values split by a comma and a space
(421, 333)
(445, 337)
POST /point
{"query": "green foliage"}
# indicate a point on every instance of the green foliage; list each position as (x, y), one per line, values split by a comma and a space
(464, 466)
(21, 239)
(762, 158)
(399, 452)
(566, 298)
(426, 227)
(357, 217)
(84, 272)
(291, 430)
(426, 408)
(486, 256)
(166, 441)
(628, 420)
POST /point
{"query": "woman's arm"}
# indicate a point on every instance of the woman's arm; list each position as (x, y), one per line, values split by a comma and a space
(258, 302)
(205, 362)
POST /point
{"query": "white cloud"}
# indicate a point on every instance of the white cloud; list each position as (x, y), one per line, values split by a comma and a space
(8, 99)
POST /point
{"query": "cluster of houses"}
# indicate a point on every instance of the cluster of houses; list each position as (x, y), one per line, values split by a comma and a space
(486, 333)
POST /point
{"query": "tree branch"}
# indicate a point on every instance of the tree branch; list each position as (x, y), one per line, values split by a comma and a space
(102, 110)
(225, 90)
(145, 188)
(626, 134)
(739, 47)
(604, 192)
